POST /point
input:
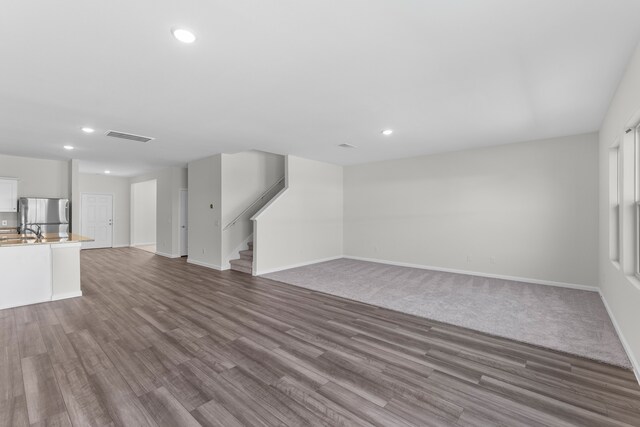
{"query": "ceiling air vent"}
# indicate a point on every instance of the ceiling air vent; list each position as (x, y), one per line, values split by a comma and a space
(129, 136)
(347, 146)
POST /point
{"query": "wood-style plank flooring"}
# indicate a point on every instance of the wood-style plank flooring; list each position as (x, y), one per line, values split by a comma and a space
(156, 341)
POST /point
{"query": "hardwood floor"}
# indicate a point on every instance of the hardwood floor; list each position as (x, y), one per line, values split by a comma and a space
(156, 341)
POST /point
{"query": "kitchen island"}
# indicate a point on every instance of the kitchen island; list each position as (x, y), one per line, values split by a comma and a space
(39, 270)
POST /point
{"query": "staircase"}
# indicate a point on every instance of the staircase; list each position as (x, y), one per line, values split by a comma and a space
(245, 263)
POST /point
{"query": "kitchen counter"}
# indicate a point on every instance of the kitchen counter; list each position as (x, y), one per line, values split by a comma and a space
(47, 239)
(39, 270)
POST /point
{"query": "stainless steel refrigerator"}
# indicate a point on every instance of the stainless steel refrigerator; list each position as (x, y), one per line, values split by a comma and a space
(50, 215)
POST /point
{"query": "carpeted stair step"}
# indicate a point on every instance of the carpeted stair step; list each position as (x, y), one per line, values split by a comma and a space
(248, 255)
(242, 265)
(250, 246)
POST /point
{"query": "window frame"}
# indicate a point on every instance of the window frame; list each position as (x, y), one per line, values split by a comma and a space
(615, 195)
(636, 183)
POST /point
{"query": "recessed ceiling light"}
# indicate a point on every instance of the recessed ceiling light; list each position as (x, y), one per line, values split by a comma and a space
(185, 36)
(68, 147)
(88, 130)
(387, 132)
(107, 172)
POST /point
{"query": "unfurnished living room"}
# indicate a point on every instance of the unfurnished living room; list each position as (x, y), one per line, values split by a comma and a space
(320, 213)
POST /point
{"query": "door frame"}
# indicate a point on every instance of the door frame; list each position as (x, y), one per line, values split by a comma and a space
(113, 209)
(180, 220)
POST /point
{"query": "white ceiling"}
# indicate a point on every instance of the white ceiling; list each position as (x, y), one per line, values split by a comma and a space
(300, 77)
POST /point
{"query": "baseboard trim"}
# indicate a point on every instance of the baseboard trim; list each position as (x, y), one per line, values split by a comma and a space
(66, 295)
(480, 274)
(623, 340)
(167, 255)
(301, 264)
(23, 304)
(204, 264)
(142, 244)
(121, 246)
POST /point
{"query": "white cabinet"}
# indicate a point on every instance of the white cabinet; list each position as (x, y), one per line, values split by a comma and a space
(8, 195)
(26, 275)
(65, 271)
(36, 273)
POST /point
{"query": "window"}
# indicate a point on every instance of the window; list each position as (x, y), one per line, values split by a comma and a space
(624, 201)
(627, 203)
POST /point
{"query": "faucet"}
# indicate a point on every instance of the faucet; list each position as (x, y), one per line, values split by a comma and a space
(38, 233)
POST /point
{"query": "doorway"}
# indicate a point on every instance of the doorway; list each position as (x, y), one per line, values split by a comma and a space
(184, 222)
(143, 215)
(97, 220)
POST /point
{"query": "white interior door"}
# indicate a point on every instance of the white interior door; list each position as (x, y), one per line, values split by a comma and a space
(97, 220)
(184, 222)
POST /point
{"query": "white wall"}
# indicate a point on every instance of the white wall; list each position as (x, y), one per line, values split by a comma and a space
(120, 189)
(245, 177)
(37, 178)
(205, 229)
(531, 207)
(169, 182)
(303, 224)
(143, 213)
(621, 292)
(74, 195)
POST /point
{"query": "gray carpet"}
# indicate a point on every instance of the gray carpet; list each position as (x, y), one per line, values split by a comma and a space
(568, 320)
